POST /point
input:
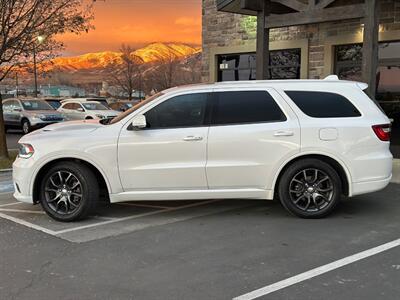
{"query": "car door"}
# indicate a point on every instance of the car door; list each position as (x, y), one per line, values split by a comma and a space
(14, 113)
(252, 132)
(7, 112)
(170, 154)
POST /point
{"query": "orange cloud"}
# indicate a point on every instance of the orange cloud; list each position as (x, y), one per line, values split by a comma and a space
(138, 23)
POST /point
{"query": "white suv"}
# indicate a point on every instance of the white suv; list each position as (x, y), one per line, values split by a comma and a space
(86, 110)
(307, 142)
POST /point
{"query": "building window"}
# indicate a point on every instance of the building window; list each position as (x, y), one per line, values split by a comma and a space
(348, 60)
(284, 64)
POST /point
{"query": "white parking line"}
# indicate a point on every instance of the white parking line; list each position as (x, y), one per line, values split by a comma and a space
(27, 224)
(318, 271)
(10, 204)
(134, 217)
(144, 205)
(23, 211)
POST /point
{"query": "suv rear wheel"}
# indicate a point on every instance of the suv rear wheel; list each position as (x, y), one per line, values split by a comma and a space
(68, 191)
(310, 188)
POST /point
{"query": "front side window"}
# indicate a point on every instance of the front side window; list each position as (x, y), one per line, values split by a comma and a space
(323, 104)
(180, 111)
(241, 107)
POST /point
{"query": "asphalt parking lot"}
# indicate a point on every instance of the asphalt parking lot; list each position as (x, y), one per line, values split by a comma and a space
(202, 250)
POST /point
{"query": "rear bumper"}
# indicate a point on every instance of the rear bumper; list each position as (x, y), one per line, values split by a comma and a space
(360, 188)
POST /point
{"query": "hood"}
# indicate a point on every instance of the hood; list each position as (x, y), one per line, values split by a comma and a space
(108, 113)
(66, 128)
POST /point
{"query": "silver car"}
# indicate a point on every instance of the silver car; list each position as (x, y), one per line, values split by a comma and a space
(29, 114)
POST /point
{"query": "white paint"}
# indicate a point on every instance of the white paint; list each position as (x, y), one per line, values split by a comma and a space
(27, 224)
(10, 204)
(318, 271)
(23, 211)
(144, 205)
(133, 217)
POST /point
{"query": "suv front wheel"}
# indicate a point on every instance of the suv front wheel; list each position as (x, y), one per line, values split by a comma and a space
(69, 191)
(26, 126)
(310, 188)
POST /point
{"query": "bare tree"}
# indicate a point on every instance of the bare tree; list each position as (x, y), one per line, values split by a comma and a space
(30, 26)
(128, 74)
(162, 75)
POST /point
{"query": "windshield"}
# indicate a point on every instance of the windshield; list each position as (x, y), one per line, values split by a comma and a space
(54, 103)
(94, 106)
(136, 107)
(36, 105)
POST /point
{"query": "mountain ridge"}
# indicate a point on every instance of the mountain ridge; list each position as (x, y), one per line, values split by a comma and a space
(101, 60)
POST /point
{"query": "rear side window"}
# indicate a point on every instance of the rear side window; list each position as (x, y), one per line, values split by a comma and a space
(323, 104)
(241, 107)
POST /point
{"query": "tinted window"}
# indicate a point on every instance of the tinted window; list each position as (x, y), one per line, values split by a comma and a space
(180, 111)
(245, 107)
(323, 105)
(68, 106)
(36, 105)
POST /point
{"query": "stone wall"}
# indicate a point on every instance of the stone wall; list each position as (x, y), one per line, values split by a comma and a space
(226, 29)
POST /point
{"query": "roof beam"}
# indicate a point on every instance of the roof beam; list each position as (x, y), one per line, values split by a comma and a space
(316, 16)
(294, 4)
(324, 3)
(255, 5)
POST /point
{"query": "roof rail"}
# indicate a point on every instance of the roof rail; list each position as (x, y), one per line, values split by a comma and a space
(331, 77)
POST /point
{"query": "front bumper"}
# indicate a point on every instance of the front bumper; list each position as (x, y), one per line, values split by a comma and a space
(22, 179)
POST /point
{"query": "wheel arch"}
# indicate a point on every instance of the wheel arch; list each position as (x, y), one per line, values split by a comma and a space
(338, 165)
(100, 177)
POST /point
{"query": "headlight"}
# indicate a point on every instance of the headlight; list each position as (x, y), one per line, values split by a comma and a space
(42, 117)
(100, 116)
(25, 150)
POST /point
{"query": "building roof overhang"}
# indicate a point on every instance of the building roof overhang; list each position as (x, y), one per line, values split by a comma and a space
(251, 7)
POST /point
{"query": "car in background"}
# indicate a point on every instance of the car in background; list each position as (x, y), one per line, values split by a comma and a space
(123, 105)
(86, 110)
(54, 102)
(101, 100)
(29, 114)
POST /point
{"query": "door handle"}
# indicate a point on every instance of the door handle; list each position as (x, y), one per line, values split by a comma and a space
(192, 138)
(284, 133)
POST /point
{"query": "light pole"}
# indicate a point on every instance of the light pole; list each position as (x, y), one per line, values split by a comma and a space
(40, 40)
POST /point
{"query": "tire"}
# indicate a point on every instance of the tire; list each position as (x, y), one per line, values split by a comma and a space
(60, 198)
(310, 188)
(26, 126)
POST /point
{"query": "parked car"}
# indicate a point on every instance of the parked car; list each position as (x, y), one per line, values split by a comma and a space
(54, 102)
(101, 100)
(29, 114)
(123, 105)
(307, 142)
(76, 110)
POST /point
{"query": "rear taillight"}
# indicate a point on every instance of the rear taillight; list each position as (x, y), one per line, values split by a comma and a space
(382, 132)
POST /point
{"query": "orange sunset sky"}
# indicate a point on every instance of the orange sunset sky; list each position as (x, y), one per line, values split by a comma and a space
(137, 23)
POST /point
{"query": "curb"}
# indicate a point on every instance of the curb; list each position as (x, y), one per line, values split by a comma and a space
(5, 170)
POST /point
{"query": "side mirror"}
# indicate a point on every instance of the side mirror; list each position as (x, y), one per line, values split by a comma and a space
(17, 109)
(139, 122)
(80, 109)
